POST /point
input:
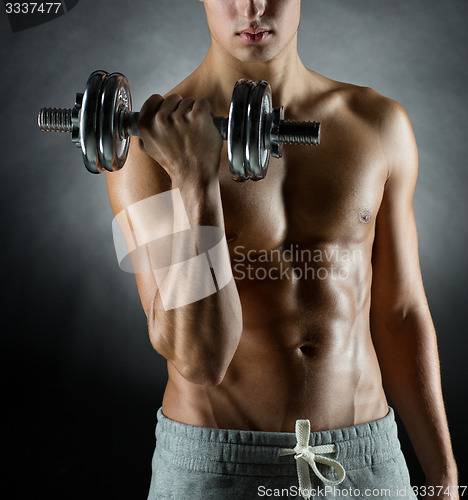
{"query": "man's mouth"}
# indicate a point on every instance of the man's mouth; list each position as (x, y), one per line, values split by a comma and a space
(252, 35)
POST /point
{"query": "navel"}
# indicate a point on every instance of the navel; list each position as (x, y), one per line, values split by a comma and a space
(231, 237)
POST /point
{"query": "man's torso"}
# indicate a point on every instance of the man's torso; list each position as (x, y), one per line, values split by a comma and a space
(301, 247)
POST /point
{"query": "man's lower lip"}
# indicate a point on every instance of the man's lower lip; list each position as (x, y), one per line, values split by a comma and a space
(254, 38)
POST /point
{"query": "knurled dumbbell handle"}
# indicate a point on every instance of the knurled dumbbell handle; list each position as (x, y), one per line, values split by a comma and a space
(303, 133)
(289, 132)
(130, 120)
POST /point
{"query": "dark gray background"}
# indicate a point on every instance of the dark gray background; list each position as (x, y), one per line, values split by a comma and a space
(82, 383)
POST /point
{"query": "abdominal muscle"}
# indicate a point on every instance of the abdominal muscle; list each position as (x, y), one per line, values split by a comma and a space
(305, 353)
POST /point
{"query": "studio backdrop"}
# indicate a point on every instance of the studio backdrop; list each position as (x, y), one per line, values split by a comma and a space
(81, 381)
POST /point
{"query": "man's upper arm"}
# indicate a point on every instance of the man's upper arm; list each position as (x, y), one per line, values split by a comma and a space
(140, 178)
(397, 285)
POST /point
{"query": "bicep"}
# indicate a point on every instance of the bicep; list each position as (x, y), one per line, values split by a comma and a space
(139, 179)
(397, 284)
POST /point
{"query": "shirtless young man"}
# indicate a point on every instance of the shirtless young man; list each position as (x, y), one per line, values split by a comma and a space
(268, 349)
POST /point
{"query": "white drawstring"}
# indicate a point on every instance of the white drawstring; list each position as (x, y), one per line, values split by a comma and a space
(306, 456)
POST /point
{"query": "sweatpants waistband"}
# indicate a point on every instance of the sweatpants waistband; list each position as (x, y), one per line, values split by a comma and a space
(240, 452)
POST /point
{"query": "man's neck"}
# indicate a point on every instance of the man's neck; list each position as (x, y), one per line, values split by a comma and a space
(285, 73)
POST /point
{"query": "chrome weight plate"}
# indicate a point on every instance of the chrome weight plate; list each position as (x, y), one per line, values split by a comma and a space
(236, 129)
(87, 133)
(259, 107)
(112, 145)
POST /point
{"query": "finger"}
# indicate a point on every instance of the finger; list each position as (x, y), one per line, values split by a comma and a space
(185, 106)
(169, 105)
(148, 111)
(202, 106)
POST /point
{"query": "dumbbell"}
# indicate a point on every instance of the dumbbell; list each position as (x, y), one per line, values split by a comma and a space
(102, 121)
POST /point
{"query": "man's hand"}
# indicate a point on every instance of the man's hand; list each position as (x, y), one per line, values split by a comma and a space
(181, 136)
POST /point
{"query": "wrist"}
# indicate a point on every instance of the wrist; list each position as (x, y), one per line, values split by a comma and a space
(202, 200)
(195, 174)
(201, 184)
(445, 474)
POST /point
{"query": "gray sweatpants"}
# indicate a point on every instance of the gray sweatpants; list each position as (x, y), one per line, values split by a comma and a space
(192, 463)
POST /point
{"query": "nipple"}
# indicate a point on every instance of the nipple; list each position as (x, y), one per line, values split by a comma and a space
(365, 215)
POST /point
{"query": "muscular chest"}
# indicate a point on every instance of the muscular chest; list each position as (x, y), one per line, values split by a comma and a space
(331, 192)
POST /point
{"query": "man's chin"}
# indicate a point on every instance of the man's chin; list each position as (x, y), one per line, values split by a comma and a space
(254, 58)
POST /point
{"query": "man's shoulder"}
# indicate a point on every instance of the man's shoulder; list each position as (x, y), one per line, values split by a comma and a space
(365, 109)
(184, 88)
(391, 124)
(191, 86)
(366, 104)
(386, 115)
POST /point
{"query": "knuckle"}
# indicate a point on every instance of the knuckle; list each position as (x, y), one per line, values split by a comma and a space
(151, 104)
(157, 98)
(167, 110)
(182, 113)
(161, 118)
(198, 111)
(204, 104)
(199, 104)
(188, 100)
(172, 100)
(179, 119)
(201, 109)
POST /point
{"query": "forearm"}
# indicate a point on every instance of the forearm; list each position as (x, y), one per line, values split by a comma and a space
(195, 320)
(408, 356)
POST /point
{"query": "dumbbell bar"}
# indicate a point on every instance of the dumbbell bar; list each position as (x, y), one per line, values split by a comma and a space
(101, 123)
